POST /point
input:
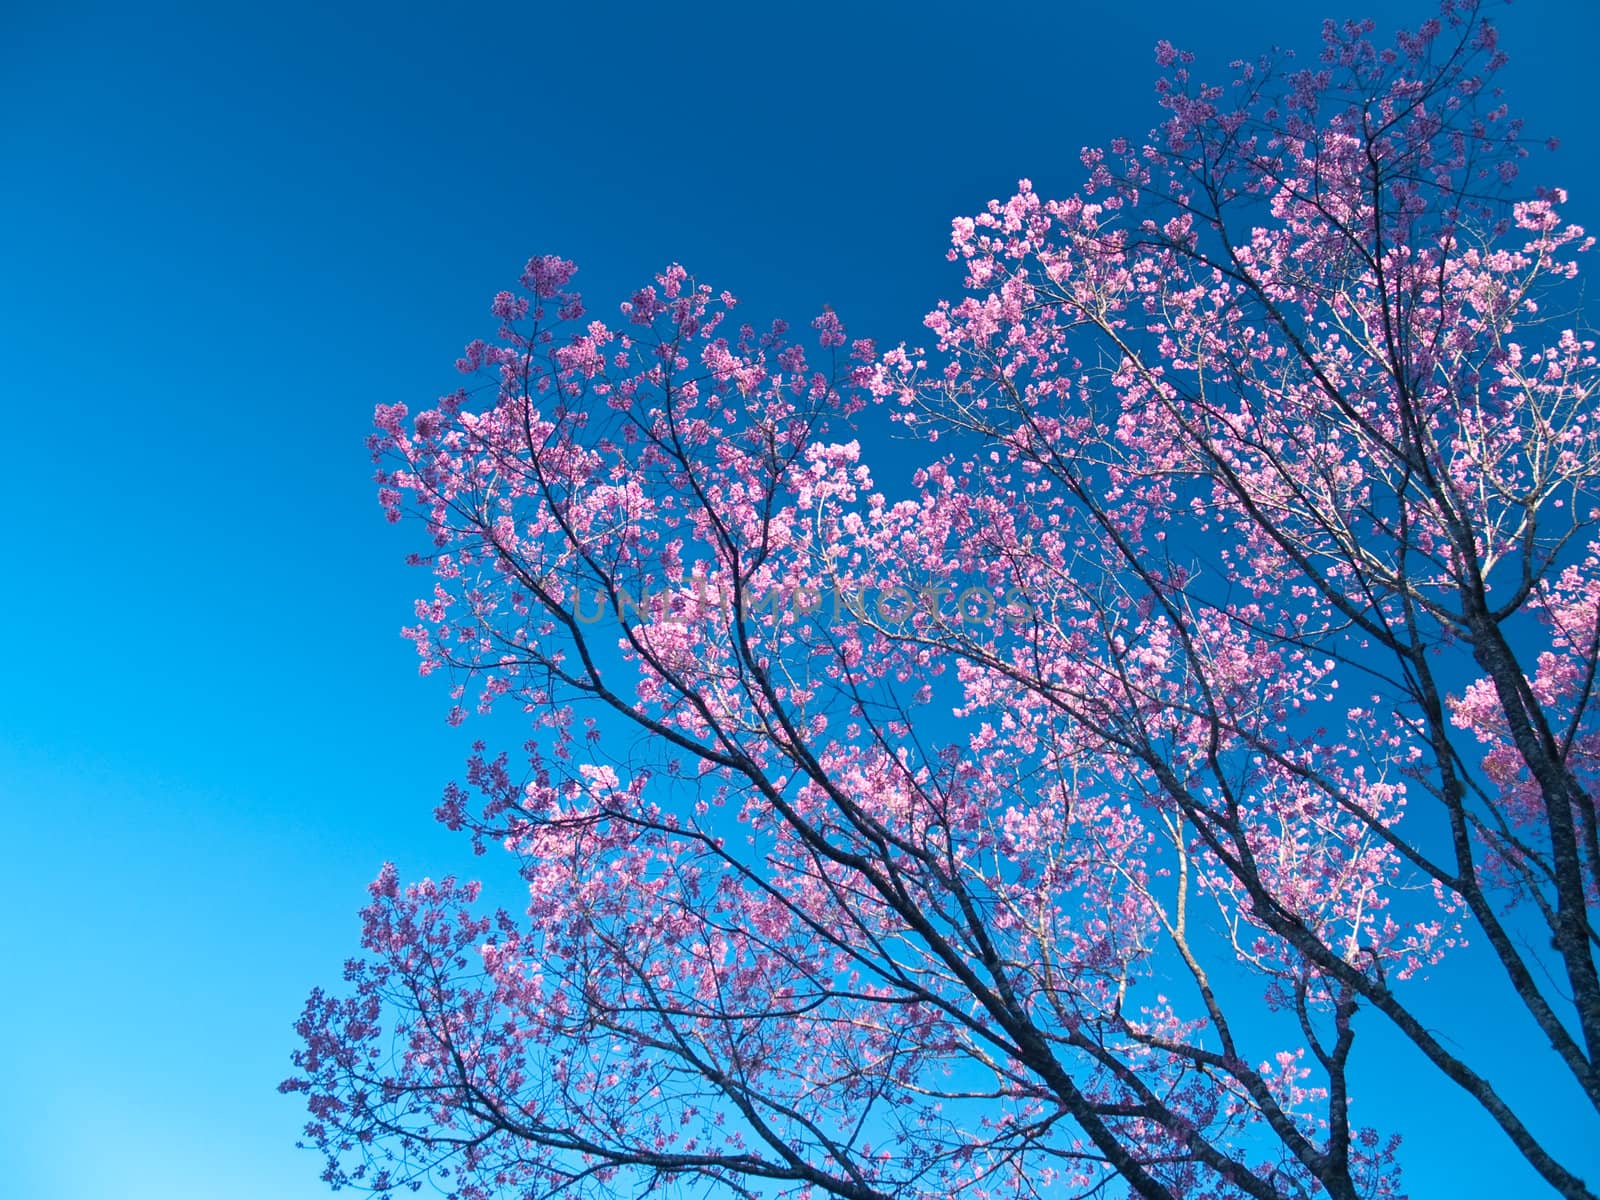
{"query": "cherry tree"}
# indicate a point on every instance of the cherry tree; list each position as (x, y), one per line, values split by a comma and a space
(1060, 826)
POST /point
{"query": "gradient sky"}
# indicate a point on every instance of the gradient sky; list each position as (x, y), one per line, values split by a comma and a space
(226, 232)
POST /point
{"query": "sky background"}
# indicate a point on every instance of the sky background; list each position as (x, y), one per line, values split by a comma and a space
(226, 232)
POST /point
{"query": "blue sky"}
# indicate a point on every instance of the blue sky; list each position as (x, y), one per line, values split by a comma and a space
(226, 232)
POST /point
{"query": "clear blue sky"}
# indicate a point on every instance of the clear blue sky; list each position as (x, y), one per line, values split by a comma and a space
(226, 231)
